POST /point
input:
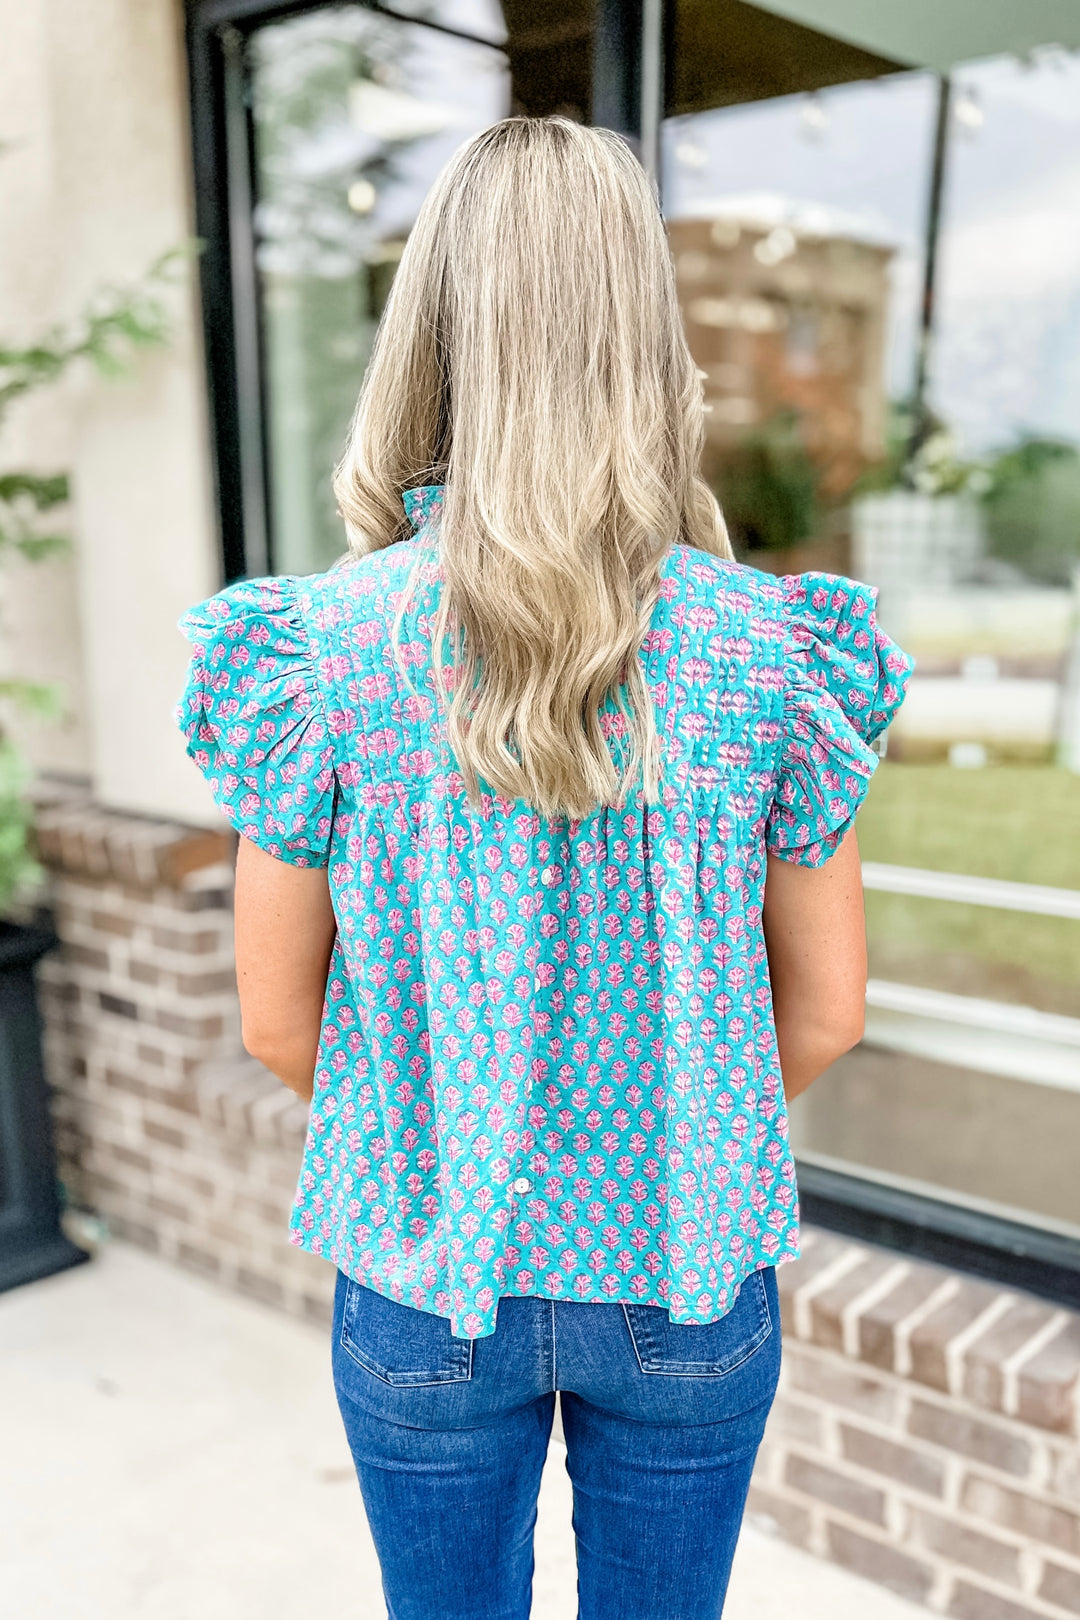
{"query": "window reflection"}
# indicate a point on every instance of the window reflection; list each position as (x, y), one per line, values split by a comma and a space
(354, 113)
(797, 184)
(483, 19)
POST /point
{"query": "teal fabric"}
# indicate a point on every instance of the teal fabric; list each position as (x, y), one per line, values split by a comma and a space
(548, 1061)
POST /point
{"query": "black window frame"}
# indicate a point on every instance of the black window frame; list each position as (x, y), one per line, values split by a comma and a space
(632, 55)
(222, 165)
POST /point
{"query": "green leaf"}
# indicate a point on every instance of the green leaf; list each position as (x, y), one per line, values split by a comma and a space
(39, 547)
(34, 697)
(119, 321)
(14, 770)
(42, 490)
(769, 486)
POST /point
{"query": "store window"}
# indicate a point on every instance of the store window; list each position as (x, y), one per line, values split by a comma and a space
(354, 114)
(878, 258)
(876, 235)
(318, 130)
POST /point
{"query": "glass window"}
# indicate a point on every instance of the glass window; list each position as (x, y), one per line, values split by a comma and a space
(353, 114)
(482, 19)
(879, 268)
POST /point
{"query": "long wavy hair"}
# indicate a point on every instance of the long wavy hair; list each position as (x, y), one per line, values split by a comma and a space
(531, 358)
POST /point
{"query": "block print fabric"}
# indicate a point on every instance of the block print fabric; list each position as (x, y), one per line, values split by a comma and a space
(548, 1063)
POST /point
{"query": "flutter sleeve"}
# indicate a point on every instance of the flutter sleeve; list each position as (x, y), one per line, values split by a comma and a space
(255, 722)
(844, 681)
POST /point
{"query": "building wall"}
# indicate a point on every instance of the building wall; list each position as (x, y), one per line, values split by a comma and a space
(164, 1126)
(799, 326)
(94, 185)
(927, 1431)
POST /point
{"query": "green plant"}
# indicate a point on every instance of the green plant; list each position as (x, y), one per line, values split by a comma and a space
(1030, 492)
(116, 323)
(1033, 509)
(933, 467)
(769, 486)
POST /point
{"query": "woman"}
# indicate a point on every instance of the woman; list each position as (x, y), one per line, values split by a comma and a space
(511, 784)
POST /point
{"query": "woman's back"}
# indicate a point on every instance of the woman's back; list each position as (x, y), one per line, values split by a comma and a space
(512, 786)
(548, 1062)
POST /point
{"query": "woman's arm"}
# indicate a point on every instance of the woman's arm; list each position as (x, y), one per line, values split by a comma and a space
(815, 935)
(284, 938)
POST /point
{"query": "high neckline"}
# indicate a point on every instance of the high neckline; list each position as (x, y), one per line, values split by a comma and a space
(422, 504)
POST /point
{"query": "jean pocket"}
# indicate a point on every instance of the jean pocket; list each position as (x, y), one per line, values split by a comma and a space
(690, 1350)
(404, 1347)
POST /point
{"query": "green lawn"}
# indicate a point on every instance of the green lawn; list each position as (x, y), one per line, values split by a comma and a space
(1015, 822)
(1006, 821)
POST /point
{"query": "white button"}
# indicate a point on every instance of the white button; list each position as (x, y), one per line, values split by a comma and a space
(522, 1186)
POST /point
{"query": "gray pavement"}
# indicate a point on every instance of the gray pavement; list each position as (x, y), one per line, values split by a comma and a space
(171, 1451)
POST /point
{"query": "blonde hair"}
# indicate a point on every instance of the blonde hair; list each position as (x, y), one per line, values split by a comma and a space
(531, 357)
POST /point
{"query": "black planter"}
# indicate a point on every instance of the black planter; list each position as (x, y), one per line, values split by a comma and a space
(32, 1244)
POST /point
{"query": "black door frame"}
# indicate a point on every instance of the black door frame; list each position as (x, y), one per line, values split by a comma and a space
(221, 147)
(632, 56)
(626, 31)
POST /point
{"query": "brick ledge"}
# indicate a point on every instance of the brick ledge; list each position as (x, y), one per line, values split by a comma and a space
(994, 1349)
(240, 1096)
(80, 838)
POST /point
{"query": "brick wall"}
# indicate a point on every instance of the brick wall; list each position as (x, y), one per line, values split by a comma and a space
(164, 1126)
(926, 1432)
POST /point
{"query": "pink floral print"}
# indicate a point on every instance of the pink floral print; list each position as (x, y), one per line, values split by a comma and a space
(548, 1062)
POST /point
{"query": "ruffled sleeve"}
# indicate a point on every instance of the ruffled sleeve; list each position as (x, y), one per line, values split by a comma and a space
(254, 719)
(844, 681)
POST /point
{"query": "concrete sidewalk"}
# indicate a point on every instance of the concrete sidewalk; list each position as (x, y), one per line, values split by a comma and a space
(168, 1450)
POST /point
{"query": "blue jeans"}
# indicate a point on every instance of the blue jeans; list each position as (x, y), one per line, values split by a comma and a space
(449, 1437)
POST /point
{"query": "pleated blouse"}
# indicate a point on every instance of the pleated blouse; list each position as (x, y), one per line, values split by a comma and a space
(548, 1062)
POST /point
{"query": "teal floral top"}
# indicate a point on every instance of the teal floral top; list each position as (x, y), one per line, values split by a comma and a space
(548, 1062)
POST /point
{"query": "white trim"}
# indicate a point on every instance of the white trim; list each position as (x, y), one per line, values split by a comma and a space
(837, 1268)
(1013, 1365)
(852, 1313)
(994, 1037)
(907, 1324)
(1036, 898)
(958, 1345)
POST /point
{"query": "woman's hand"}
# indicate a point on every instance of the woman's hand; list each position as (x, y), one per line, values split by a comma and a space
(285, 931)
(815, 935)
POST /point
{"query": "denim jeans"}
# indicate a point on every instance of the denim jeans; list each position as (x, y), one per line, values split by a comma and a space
(449, 1436)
